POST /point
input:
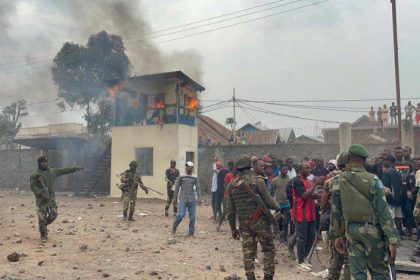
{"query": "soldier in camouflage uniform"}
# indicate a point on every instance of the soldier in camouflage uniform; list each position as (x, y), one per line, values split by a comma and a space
(252, 227)
(171, 175)
(130, 181)
(337, 260)
(45, 202)
(415, 257)
(369, 228)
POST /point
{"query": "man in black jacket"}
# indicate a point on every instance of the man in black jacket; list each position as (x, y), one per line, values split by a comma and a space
(393, 188)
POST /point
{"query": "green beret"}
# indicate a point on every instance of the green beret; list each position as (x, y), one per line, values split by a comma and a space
(245, 162)
(359, 150)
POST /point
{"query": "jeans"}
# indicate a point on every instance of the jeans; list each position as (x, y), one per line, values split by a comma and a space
(183, 207)
(305, 233)
(213, 204)
(407, 208)
(284, 223)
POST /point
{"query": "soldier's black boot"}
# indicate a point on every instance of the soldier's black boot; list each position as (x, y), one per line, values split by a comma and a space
(166, 211)
(250, 277)
(268, 276)
(130, 217)
(44, 237)
(125, 215)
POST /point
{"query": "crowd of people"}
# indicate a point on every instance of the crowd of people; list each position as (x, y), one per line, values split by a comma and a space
(382, 114)
(303, 193)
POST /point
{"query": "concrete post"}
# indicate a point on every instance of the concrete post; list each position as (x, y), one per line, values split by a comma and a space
(344, 136)
(407, 135)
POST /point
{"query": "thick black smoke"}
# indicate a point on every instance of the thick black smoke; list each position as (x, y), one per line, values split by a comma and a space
(33, 32)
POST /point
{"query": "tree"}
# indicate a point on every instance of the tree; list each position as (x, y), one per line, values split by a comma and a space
(84, 73)
(10, 121)
(231, 122)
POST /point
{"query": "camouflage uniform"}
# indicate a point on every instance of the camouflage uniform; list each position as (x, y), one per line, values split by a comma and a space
(252, 228)
(337, 260)
(47, 214)
(369, 226)
(171, 175)
(130, 181)
(416, 214)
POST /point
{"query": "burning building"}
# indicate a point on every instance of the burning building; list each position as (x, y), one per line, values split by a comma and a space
(154, 121)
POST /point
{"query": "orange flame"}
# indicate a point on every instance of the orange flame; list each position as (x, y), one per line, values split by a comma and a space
(114, 89)
(159, 105)
(192, 103)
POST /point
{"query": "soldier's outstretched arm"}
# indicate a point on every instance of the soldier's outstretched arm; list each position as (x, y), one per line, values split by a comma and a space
(265, 194)
(382, 212)
(65, 171)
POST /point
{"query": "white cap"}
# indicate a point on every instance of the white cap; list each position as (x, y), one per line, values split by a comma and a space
(333, 161)
(189, 163)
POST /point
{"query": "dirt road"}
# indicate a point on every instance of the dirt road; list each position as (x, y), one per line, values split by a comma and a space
(89, 240)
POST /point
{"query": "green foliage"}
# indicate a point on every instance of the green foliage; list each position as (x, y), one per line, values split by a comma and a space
(230, 121)
(10, 120)
(83, 74)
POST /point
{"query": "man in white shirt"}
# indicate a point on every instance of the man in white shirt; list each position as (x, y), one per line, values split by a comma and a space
(214, 188)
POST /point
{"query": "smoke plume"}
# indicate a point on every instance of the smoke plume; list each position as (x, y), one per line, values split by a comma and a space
(33, 32)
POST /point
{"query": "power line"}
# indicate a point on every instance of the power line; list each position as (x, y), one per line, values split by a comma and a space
(309, 107)
(234, 24)
(227, 26)
(258, 109)
(35, 102)
(210, 18)
(212, 23)
(153, 32)
(323, 101)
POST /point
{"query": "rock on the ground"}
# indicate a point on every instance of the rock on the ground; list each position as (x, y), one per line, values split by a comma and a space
(13, 257)
(232, 277)
(222, 268)
(83, 248)
(171, 241)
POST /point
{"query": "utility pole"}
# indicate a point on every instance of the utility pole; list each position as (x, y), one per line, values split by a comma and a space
(234, 116)
(397, 67)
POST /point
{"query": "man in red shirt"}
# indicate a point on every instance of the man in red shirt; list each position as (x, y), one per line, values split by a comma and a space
(304, 214)
(228, 178)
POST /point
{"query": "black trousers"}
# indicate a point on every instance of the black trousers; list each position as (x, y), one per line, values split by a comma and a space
(305, 233)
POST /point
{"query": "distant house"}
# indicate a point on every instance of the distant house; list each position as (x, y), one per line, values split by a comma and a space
(259, 134)
(269, 136)
(252, 127)
(210, 132)
(363, 121)
(365, 132)
(286, 135)
(304, 139)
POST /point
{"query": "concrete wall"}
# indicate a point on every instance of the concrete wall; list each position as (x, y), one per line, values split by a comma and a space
(166, 146)
(16, 167)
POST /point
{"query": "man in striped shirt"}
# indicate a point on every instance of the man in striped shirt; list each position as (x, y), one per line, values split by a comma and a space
(185, 189)
(304, 215)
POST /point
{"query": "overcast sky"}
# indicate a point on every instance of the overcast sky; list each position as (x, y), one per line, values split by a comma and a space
(339, 49)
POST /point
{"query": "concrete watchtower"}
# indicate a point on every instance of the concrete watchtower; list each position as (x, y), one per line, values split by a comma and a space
(154, 122)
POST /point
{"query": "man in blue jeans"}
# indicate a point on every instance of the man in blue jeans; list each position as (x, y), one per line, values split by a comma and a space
(186, 187)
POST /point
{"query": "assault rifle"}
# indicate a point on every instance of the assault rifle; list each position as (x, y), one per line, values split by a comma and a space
(262, 207)
(391, 266)
(311, 252)
(45, 191)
